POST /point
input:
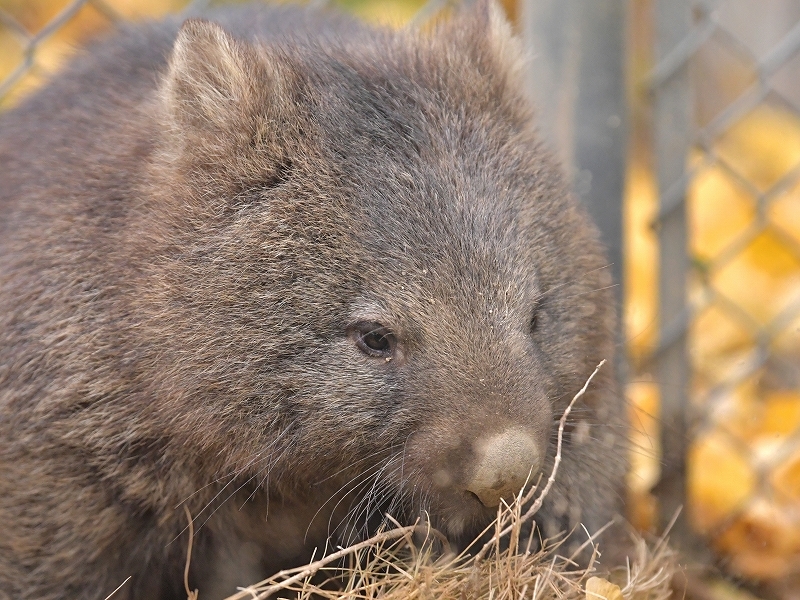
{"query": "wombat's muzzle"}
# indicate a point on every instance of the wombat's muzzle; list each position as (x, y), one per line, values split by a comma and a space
(504, 463)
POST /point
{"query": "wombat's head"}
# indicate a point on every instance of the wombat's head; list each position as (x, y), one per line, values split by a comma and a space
(372, 271)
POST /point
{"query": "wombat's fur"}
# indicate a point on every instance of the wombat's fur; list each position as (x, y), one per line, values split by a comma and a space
(290, 278)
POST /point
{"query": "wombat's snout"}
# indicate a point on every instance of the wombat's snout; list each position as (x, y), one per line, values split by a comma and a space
(504, 462)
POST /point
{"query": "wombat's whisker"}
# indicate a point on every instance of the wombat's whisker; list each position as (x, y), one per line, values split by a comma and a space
(355, 502)
(354, 463)
(569, 282)
(593, 291)
(376, 482)
(271, 461)
(372, 501)
(216, 508)
(206, 486)
(353, 525)
(232, 476)
(397, 503)
(353, 484)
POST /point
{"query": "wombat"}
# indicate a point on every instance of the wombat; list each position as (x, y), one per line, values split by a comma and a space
(292, 273)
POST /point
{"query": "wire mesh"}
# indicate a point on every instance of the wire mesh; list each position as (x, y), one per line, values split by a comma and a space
(726, 125)
(32, 42)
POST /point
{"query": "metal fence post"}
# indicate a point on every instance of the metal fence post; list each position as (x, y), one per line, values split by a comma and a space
(577, 78)
(672, 138)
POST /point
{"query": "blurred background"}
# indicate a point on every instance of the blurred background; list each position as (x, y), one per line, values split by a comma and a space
(679, 123)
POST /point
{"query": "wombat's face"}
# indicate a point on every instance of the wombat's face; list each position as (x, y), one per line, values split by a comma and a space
(397, 294)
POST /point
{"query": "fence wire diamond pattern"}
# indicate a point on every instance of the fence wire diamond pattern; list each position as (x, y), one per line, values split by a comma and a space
(726, 94)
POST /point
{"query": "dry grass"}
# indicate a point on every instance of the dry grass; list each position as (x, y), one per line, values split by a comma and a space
(394, 566)
(401, 564)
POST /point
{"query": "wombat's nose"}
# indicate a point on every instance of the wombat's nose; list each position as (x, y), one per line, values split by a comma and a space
(503, 464)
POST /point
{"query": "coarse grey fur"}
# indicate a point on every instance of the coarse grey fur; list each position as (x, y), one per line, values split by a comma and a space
(196, 227)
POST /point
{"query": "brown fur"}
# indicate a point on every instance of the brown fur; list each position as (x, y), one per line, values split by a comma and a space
(190, 231)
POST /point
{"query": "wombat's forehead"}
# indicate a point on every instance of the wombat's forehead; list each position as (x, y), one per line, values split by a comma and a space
(446, 224)
(446, 216)
(409, 97)
(436, 265)
(438, 286)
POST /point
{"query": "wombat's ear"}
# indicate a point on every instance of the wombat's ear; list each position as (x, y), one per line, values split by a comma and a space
(214, 80)
(206, 73)
(226, 104)
(485, 22)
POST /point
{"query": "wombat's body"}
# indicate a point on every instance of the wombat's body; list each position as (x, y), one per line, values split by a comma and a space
(290, 284)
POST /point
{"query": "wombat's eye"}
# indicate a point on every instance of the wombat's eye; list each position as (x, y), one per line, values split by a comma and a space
(534, 322)
(373, 339)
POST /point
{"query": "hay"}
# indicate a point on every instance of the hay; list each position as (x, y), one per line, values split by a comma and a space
(392, 566)
(395, 565)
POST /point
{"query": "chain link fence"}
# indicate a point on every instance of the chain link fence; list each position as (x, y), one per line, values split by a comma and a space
(32, 41)
(723, 154)
(725, 92)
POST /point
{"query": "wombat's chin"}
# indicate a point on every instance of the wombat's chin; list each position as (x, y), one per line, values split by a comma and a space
(462, 527)
(460, 519)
